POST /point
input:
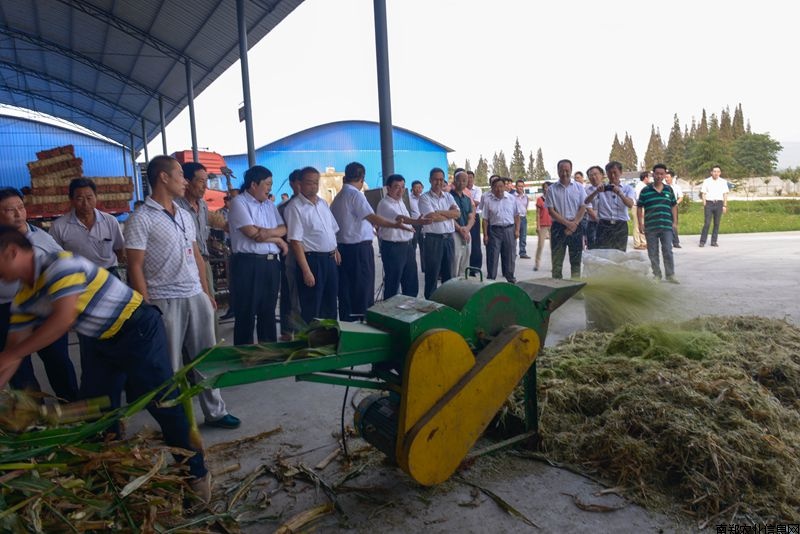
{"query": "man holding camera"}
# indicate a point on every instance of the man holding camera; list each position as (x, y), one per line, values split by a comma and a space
(613, 202)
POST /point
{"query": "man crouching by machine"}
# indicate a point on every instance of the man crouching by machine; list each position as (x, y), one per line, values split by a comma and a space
(126, 336)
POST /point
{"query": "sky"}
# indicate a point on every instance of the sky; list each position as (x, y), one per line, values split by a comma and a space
(475, 75)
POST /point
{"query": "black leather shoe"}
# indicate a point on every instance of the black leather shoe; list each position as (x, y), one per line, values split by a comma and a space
(676, 246)
(714, 245)
(702, 245)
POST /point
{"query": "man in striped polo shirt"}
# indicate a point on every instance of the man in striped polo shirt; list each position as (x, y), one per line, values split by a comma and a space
(126, 339)
(657, 215)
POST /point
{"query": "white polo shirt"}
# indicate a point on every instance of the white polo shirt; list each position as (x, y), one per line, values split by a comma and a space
(312, 224)
(476, 195)
(96, 244)
(246, 210)
(499, 211)
(389, 208)
(350, 209)
(430, 202)
(714, 189)
(170, 269)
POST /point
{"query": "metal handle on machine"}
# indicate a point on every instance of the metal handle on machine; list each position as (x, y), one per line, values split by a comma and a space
(469, 270)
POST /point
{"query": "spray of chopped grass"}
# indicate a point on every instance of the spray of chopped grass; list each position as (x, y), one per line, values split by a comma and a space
(705, 413)
(617, 297)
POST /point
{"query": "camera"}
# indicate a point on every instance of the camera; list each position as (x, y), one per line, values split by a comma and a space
(607, 188)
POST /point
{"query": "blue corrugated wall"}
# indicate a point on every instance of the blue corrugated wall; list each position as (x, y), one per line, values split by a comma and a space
(336, 145)
(21, 139)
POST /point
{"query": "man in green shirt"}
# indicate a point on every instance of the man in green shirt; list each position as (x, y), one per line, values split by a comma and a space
(657, 215)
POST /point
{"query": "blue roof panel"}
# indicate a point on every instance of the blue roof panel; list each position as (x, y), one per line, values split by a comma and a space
(336, 144)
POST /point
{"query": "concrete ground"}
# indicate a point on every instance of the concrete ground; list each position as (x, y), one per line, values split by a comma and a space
(749, 274)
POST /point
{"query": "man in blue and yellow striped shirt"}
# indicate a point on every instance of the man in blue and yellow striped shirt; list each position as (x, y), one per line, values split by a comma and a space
(127, 343)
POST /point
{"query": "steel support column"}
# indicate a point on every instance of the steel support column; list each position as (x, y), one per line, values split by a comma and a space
(384, 96)
(137, 182)
(124, 161)
(144, 142)
(190, 98)
(163, 124)
(248, 113)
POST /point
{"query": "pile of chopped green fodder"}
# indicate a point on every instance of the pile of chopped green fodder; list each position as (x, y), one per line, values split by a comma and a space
(705, 413)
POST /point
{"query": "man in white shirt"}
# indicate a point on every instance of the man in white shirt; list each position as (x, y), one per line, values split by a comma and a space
(165, 266)
(715, 203)
(438, 248)
(55, 356)
(678, 190)
(256, 230)
(475, 193)
(396, 244)
(501, 228)
(522, 206)
(565, 202)
(355, 218)
(87, 231)
(311, 230)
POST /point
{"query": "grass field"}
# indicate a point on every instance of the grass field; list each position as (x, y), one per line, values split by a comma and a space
(743, 217)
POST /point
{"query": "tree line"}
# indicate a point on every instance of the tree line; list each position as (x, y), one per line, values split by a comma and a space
(532, 169)
(727, 141)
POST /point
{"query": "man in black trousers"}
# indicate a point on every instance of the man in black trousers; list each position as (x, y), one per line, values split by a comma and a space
(355, 218)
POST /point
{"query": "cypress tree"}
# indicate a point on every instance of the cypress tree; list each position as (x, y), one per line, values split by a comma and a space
(517, 169)
(675, 152)
(738, 122)
(499, 165)
(725, 125)
(617, 153)
(702, 129)
(451, 168)
(541, 171)
(655, 152)
(530, 173)
(631, 161)
(693, 132)
(482, 172)
(713, 125)
(467, 166)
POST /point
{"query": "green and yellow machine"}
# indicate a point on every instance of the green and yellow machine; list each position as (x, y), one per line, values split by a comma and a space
(444, 366)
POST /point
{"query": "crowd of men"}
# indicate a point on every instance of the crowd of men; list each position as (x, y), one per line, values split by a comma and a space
(312, 260)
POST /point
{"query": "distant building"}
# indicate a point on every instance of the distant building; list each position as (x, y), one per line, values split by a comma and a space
(329, 147)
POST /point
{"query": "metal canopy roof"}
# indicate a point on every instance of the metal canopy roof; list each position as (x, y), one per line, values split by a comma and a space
(104, 64)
